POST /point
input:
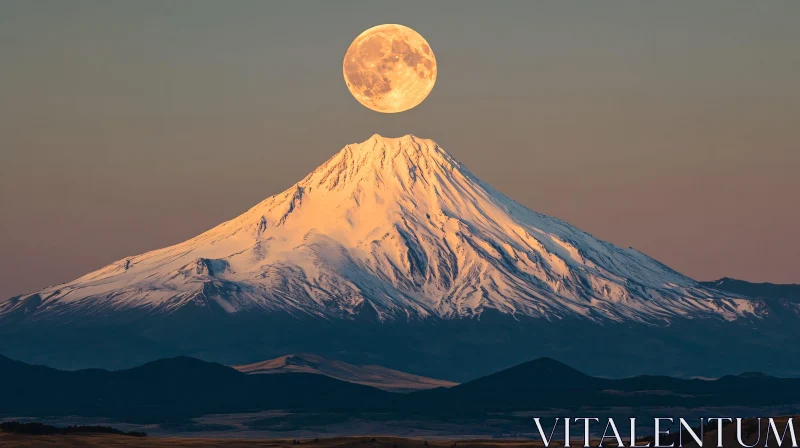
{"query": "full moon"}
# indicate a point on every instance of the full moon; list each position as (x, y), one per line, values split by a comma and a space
(389, 68)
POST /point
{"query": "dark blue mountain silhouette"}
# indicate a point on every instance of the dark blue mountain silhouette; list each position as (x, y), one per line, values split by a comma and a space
(182, 387)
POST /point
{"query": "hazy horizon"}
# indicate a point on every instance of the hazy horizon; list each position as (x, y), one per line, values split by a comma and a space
(668, 127)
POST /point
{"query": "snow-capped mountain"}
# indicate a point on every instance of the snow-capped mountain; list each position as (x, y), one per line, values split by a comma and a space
(398, 228)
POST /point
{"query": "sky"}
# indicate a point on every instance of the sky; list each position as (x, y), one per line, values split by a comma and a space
(671, 127)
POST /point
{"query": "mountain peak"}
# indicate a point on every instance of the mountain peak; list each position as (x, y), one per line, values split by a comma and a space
(385, 154)
(540, 371)
(406, 137)
(378, 175)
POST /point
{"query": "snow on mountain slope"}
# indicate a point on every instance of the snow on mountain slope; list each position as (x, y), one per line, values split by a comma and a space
(369, 375)
(399, 227)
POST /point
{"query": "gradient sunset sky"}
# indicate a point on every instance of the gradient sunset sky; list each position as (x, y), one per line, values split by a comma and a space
(672, 127)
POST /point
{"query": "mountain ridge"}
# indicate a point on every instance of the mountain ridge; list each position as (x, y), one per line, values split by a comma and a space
(183, 387)
(763, 290)
(166, 389)
(375, 376)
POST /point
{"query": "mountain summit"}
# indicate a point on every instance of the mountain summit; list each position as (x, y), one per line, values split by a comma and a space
(398, 229)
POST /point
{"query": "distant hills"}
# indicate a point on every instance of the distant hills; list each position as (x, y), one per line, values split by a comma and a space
(39, 429)
(180, 388)
(547, 383)
(171, 389)
(790, 292)
(369, 375)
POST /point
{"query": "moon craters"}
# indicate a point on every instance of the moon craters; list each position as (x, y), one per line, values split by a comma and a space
(389, 68)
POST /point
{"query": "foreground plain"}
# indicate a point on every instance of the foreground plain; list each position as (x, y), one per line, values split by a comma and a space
(105, 440)
(753, 437)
